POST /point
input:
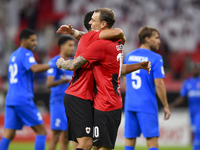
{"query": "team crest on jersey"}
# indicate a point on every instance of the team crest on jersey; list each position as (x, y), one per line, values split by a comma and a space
(87, 129)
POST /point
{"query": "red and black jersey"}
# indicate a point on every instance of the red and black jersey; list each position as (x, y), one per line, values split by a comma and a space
(82, 83)
(106, 57)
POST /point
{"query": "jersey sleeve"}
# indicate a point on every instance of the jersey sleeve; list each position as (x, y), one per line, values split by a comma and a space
(52, 71)
(94, 52)
(28, 60)
(158, 69)
(183, 91)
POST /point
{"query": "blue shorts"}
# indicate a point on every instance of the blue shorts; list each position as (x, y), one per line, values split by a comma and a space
(18, 116)
(141, 122)
(58, 116)
(195, 122)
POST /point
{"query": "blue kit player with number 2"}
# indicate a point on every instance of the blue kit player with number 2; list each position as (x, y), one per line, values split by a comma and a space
(20, 109)
(141, 110)
(58, 81)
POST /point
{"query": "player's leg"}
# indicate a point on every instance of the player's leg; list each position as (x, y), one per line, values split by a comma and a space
(150, 128)
(74, 145)
(196, 131)
(40, 140)
(105, 128)
(59, 125)
(12, 122)
(34, 120)
(85, 143)
(80, 117)
(131, 130)
(152, 143)
(8, 136)
(64, 140)
(54, 139)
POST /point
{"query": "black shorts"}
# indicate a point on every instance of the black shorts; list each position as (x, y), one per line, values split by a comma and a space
(79, 113)
(106, 125)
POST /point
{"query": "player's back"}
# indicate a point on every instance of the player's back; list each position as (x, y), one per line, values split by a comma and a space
(20, 77)
(107, 73)
(58, 92)
(191, 89)
(141, 90)
(82, 83)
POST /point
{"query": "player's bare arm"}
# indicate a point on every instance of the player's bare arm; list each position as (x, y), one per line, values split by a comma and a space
(39, 67)
(161, 91)
(71, 64)
(177, 102)
(105, 34)
(67, 29)
(113, 33)
(126, 69)
(51, 83)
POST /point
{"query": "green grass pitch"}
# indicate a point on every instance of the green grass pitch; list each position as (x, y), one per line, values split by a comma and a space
(30, 146)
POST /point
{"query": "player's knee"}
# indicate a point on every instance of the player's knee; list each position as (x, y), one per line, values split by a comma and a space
(42, 131)
(89, 144)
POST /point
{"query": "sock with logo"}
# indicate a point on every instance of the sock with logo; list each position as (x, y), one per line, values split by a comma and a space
(129, 148)
(40, 142)
(4, 144)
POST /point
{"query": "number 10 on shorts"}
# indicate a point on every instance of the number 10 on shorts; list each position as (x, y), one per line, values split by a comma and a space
(96, 132)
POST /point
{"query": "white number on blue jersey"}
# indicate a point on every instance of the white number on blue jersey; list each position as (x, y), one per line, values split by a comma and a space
(136, 84)
(39, 116)
(58, 121)
(13, 69)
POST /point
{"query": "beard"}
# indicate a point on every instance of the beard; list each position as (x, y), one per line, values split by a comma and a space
(154, 48)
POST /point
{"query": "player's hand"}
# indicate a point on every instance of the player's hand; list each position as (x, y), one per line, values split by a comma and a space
(167, 113)
(146, 65)
(59, 62)
(65, 29)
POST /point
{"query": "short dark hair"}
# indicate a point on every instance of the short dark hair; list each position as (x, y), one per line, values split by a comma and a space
(87, 18)
(26, 33)
(106, 15)
(146, 32)
(63, 39)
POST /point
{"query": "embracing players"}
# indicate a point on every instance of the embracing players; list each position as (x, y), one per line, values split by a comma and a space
(20, 109)
(105, 59)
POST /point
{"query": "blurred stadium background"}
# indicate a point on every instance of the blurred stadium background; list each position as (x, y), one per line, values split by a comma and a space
(177, 20)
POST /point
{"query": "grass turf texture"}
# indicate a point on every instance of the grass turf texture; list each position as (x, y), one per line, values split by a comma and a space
(30, 146)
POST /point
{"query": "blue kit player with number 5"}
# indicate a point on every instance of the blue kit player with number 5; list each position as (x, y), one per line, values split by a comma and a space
(20, 109)
(141, 110)
(58, 81)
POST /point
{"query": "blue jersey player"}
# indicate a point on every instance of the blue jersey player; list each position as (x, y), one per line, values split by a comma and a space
(191, 90)
(141, 110)
(58, 81)
(20, 109)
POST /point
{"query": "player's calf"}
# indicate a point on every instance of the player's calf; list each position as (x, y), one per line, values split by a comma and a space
(84, 143)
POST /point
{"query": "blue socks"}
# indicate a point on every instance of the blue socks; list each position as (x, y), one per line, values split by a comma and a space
(196, 142)
(40, 142)
(153, 148)
(4, 143)
(129, 148)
